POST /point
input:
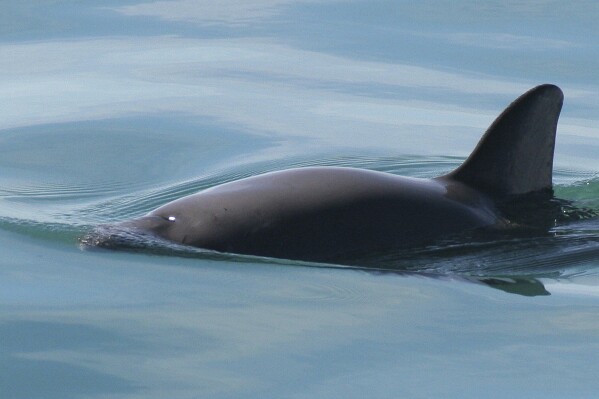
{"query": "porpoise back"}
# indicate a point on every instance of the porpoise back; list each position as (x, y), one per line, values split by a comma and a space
(329, 213)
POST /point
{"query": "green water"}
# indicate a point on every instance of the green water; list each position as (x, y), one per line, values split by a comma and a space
(110, 109)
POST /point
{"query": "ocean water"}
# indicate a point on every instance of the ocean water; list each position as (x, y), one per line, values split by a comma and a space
(111, 108)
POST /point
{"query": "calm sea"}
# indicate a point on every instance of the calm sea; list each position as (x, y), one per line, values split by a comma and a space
(109, 109)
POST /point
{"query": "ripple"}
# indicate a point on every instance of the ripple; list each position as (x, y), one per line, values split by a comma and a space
(560, 253)
(584, 192)
(68, 210)
(569, 177)
(61, 191)
(337, 290)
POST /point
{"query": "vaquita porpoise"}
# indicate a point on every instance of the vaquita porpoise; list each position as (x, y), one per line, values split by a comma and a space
(323, 214)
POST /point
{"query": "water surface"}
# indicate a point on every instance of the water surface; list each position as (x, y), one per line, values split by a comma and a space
(111, 109)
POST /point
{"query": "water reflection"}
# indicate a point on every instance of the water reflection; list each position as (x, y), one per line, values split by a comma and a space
(239, 81)
(112, 107)
(224, 12)
(34, 357)
(169, 327)
(265, 85)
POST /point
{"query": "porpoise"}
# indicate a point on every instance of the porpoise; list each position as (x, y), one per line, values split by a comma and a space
(324, 214)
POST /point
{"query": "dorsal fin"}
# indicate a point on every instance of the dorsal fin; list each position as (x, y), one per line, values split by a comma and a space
(515, 155)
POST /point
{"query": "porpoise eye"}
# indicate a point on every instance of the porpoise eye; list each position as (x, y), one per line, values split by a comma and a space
(171, 218)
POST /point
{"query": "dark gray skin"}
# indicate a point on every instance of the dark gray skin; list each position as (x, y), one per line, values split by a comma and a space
(318, 214)
(327, 213)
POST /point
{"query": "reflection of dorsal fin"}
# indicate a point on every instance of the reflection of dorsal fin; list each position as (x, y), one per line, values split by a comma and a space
(515, 155)
(517, 285)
